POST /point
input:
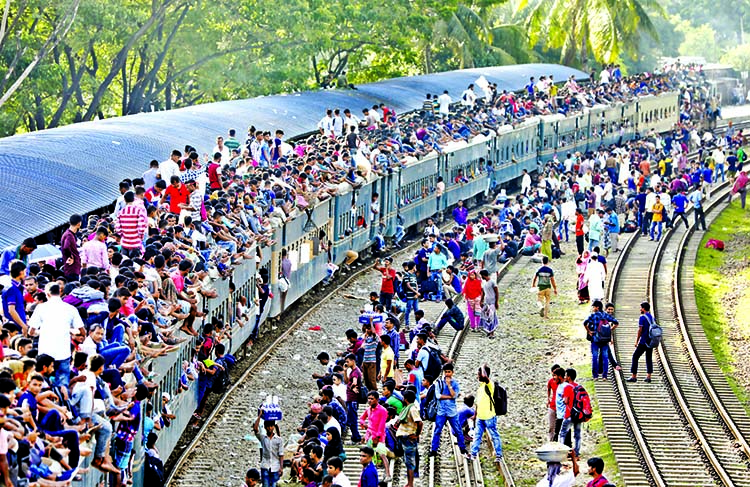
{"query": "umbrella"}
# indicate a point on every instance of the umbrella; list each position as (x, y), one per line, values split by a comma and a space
(45, 252)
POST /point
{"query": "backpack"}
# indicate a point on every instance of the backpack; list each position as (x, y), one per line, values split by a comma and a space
(603, 332)
(654, 334)
(434, 364)
(153, 471)
(430, 404)
(581, 410)
(498, 399)
(221, 381)
(362, 396)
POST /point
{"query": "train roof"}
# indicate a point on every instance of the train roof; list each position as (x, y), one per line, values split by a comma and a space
(50, 174)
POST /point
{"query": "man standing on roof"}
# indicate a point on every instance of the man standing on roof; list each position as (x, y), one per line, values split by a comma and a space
(468, 97)
(69, 247)
(444, 101)
(21, 253)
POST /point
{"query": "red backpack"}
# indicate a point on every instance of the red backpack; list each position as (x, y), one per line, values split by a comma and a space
(581, 410)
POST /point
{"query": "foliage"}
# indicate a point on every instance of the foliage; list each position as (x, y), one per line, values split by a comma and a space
(606, 30)
(698, 41)
(738, 57)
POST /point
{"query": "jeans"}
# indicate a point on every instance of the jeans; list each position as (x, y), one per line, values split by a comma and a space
(599, 359)
(62, 373)
(720, 170)
(579, 244)
(637, 355)
(489, 425)
(118, 335)
(654, 226)
(83, 400)
(133, 253)
(566, 425)
(114, 354)
(411, 304)
(563, 226)
(386, 299)
(52, 424)
(268, 478)
(646, 222)
(399, 235)
(228, 245)
(102, 435)
(437, 276)
(699, 217)
(352, 420)
(440, 421)
(593, 243)
(677, 215)
(410, 452)
(447, 320)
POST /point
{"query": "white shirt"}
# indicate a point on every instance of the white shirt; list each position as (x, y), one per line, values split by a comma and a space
(468, 97)
(604, 76)
(224, 151)
(351, 121)
(342, 480)
(444, 101)
(326, 125)
(167, 169)
(563, 479)
(338, 126)
(53, 321)
(525, 182)
(89, 346)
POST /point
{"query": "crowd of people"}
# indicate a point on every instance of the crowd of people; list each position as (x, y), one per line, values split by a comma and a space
(132, 285)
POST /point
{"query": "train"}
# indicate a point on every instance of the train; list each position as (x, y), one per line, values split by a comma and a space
(333, 228)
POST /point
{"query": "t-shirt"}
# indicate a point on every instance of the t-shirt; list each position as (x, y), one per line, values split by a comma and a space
(600, 482)
(544, 278)
(176, 196)
(644, 322)
(385, 355)
(552, 387)
(447, 407)
(568, 395)
(389, 275)
(464, 414)
(371, 347)
(484, 406)
(408, 425)
(559, 401)
(351, 394)
(679, 202)
(410, 279)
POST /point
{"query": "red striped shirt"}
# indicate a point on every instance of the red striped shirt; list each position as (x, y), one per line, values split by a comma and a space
(132, 224)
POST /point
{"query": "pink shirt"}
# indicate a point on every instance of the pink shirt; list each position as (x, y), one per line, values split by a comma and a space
(179, 281)
(94, 254)
(376, 425)
(532, 239)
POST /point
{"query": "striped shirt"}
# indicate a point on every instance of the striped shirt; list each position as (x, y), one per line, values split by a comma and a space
(132, 224)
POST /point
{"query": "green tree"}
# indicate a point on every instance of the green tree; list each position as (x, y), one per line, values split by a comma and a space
(606, 30)
(738, 57)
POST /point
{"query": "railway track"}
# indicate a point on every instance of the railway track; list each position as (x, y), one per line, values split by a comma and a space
(236, 410)
(678, 430)
(465, 349)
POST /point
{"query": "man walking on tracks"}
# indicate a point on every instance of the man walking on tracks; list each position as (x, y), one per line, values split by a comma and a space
(544, 281)
(642, 344)
(485, 415)
(696, 199)
(599, 328)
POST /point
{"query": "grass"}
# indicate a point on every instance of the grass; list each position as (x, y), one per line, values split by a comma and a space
(711, 286)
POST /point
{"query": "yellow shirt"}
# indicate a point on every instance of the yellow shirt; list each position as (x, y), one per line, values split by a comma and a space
(484, 407)
(385, 355)
(658, 212)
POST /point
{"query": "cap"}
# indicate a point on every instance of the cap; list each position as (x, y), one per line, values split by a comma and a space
(166, 396)
(316, 408)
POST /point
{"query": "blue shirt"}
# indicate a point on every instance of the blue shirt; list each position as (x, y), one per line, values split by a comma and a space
(447, 407)
(14, 295)
(644, 323)
(460, 214)
(464, 414)
(695, 198)
(369, 476)
(679, 202)
(455, 249)
(9, 256)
